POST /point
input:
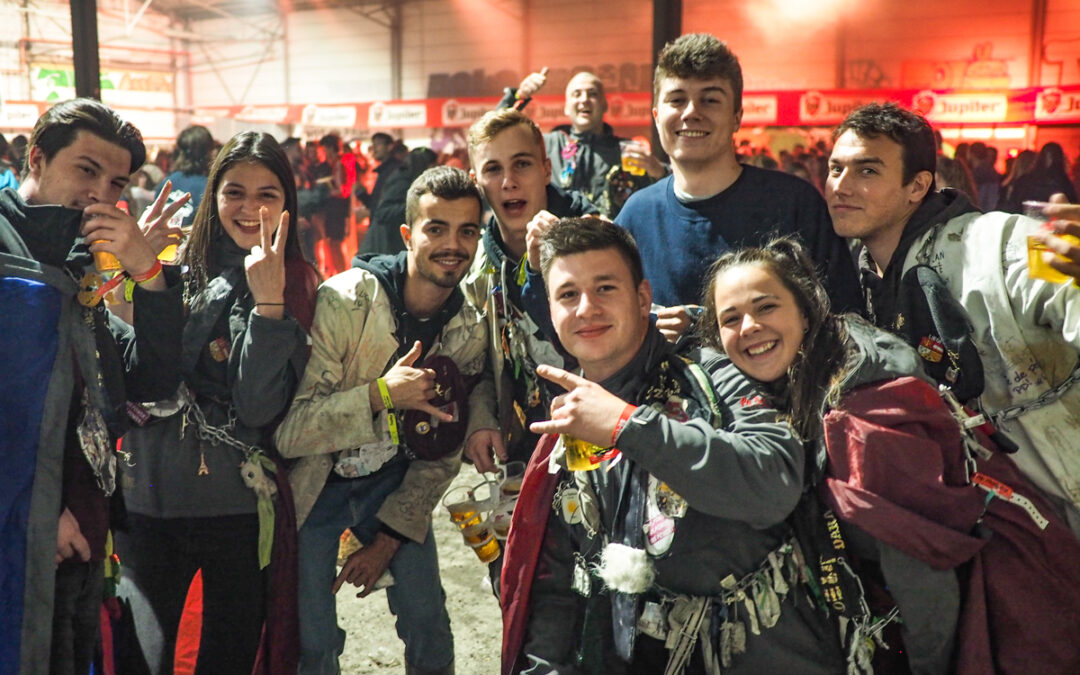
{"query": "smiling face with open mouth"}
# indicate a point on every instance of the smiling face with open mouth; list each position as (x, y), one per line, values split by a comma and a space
(761, 325)
(243, 190)
(697, 119)
(585, 103)
(513, 173)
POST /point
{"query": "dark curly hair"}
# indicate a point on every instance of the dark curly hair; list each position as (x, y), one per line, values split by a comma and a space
(821, 362)
(910, 130)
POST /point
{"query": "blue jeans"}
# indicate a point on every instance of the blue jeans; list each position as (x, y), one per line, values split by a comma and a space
(416, 598)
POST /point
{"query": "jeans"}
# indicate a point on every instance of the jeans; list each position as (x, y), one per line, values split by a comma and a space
(80, 587)
(159, 557)
(416, 598)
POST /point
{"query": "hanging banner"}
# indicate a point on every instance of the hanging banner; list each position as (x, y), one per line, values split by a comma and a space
(397, 115)
(816, 107)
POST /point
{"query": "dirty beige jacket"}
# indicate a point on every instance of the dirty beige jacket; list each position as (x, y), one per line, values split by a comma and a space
(353, 344)
(1027, 332)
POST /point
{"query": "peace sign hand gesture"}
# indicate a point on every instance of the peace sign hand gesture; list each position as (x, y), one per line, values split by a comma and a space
(265, 266)
(155, 220)
(586, 411)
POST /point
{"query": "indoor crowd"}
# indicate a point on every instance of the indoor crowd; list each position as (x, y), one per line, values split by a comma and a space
(811, 413)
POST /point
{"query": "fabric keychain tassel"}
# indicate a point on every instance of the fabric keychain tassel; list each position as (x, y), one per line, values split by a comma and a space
(253, 471)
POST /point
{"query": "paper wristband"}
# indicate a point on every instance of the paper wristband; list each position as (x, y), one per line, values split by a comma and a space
(384, 393)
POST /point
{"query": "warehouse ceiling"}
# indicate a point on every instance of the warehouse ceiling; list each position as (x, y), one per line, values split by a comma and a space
(194, 10)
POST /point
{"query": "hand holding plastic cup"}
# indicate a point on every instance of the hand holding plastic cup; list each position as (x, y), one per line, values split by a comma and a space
(582, 455)
(103, 260)
(630, 151)
(1037, 267)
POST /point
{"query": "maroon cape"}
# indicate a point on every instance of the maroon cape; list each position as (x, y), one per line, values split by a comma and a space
(527, 529)
(896, 469)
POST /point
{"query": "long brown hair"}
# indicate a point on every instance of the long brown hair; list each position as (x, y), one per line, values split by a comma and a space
(820, 363)
(253, 147)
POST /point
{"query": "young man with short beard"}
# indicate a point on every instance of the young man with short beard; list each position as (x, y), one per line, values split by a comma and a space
(377, 328)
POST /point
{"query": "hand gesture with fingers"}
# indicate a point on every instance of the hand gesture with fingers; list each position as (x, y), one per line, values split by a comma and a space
(111, 230)
(265, 266)
(409, 388)
(532, 83)
(154, 221)
(586, 411)
(535, 230)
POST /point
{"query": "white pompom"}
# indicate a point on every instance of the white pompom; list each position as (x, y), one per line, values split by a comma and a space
(626, 569)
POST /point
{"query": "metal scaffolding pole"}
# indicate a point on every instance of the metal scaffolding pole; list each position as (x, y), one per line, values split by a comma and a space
(84, 46)
(667, 25)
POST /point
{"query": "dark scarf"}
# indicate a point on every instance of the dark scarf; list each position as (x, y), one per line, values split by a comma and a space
(391, 271)
(937, 209)
(50, 235)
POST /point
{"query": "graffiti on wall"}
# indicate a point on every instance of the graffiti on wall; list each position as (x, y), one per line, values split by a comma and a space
(626, 77)
(982, 71)
(865, 74)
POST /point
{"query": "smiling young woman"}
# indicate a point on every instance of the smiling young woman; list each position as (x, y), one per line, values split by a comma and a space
(250, 300)
(892, 461)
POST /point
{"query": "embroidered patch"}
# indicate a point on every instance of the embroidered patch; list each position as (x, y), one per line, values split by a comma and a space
(931, 349)
(219, 349)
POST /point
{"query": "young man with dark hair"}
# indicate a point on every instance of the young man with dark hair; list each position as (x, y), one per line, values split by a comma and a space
(509, 165)
(65, 384)
(712, 203)
(621, 569)
(1026, 331)
(377, 329)
(586, 155)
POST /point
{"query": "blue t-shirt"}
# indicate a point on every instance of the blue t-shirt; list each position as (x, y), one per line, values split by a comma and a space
(679, 241)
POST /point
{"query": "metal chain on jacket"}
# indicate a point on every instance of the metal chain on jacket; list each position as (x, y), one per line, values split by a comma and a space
(208, 432)
(1044, 399)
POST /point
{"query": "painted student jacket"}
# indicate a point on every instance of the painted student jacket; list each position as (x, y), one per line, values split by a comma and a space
(737, 484)
(50, 345)
(354, 342)
(1027, 332)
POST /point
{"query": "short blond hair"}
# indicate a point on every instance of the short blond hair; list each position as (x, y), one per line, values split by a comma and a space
(494, 122)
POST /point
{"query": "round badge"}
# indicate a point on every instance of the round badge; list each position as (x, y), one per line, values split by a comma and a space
(422, 428)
